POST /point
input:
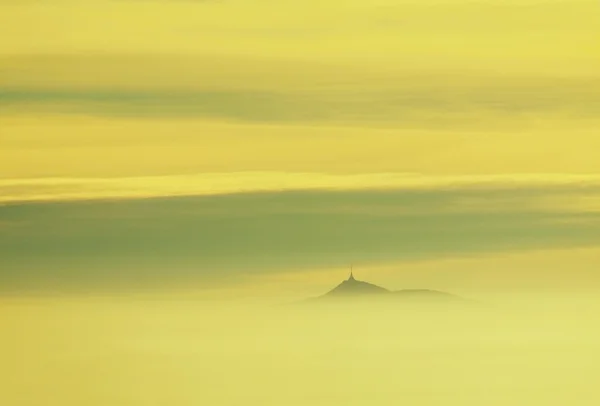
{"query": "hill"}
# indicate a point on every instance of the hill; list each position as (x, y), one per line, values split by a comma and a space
(352, 288)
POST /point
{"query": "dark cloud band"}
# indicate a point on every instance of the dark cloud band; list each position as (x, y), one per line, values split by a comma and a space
(133, 244)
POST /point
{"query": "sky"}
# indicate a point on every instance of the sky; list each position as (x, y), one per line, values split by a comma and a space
(261, 147)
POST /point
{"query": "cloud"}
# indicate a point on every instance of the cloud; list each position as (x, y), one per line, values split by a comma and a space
(424, 106)
(215, 239)
(267, 89)
(61, 189)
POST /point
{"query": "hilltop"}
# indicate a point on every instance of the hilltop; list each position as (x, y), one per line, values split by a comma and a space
(352, 288)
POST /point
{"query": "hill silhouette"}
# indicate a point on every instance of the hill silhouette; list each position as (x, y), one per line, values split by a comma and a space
(352, 288)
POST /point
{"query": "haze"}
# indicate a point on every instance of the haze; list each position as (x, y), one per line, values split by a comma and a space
(140, 351)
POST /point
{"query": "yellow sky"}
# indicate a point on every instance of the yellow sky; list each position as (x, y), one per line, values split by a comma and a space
(521, 35)
(537, 60)
(122, 99)
(82, 147)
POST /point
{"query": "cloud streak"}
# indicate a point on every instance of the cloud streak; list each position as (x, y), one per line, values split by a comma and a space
(269, 89)
(426, 105)
(67, 189)
(213, 240)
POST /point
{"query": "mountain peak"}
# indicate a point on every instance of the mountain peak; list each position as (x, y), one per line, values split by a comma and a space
(352, 286)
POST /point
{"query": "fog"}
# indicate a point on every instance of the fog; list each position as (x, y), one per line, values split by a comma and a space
(127, 351)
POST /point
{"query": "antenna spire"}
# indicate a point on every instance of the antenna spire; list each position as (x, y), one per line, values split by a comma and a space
(351, 278)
